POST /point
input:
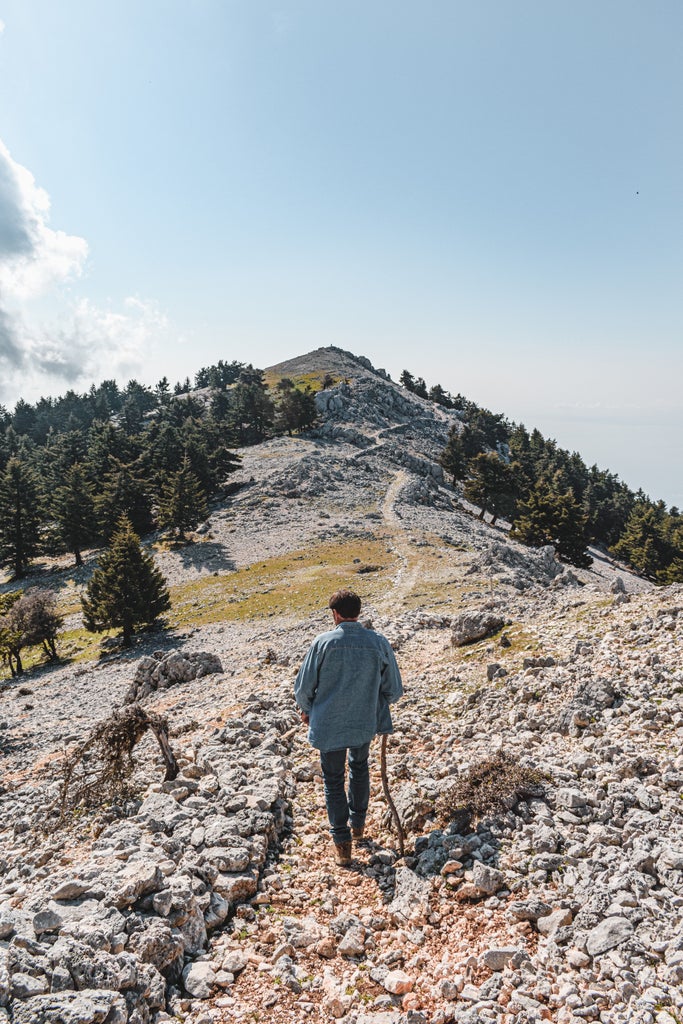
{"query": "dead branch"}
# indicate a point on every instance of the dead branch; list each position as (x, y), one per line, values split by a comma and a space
(101, 767)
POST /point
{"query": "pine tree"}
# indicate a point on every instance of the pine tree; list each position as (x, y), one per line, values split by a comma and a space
(643, 544)
(453, 458)
(252, 407)
(491, 485)
(296, 409)
(546, 517)
(126, 590)
(74, 512)
(19, 516)
(182, 505)
(124, 493)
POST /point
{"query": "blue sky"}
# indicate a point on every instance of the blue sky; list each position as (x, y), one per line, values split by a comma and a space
(488, 194)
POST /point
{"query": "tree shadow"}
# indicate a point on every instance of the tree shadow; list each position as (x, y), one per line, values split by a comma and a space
(206, 555)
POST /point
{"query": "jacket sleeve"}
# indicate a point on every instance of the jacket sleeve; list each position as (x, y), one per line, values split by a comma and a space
(391, 686)
(307, 680)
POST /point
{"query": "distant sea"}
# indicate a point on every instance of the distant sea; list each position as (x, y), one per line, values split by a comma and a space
(644, 450)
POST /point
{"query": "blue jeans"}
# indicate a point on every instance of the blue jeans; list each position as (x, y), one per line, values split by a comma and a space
(342, 808)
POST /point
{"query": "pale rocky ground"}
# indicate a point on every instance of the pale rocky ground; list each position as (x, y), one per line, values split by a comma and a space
(217, 898)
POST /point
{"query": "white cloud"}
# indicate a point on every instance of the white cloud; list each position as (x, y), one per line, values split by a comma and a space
(83, 342)
(91, 344)
(33, 257)
(2, 26)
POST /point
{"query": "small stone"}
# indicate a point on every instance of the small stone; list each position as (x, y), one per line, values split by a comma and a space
(199, 979)
(451, 866)
(571, 798)
(235, 961)
(577, 958)
(488, 880)
(326, 948)
(498, 957)
(353, 942)
(549, 924)
(398, 983)
(70, 889)
(6, 924)
(471, 993)
(607, 935)
(25, 986)
(303, 932)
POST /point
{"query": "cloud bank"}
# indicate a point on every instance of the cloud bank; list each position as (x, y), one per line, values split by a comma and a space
(82, 342)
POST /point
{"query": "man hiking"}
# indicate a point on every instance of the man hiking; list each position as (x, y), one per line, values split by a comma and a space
(344, 688)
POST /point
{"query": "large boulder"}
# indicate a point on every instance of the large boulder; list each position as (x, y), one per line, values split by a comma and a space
(472, 626)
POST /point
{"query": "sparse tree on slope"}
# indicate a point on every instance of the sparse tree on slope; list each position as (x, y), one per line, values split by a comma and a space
(27, 620)
(296, 408)
(491, 485)
(644, 544)
(10, 635)
(126, 590)
(453, 458)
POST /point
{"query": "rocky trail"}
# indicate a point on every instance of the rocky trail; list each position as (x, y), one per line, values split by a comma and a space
(215, 897)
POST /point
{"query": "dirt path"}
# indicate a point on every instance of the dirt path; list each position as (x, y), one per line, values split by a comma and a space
(408, 573)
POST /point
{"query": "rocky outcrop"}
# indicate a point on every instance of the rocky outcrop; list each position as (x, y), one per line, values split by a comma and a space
(521, 568)
(164, 669)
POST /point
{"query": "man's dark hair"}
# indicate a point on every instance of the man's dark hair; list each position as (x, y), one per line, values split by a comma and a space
(345, 603)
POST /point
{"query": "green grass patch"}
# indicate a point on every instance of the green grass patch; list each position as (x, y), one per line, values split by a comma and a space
(301, 380)
(294, 584)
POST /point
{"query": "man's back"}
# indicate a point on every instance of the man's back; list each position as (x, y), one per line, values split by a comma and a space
(347, 680)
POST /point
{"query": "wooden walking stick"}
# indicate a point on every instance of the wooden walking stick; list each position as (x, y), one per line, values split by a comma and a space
(392, 806)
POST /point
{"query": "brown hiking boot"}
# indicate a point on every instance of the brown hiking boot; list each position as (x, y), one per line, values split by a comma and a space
(342, 854)
(357, 833)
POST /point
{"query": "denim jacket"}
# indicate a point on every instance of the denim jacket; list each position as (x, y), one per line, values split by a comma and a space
(346, 683)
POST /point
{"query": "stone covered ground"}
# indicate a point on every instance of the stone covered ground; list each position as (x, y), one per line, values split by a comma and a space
(215, 897)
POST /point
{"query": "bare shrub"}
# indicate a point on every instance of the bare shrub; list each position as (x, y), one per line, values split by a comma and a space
(100, 770)
(488, 787)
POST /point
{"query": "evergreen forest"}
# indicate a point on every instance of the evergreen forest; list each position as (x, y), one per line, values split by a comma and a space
(550, 496)
(72, 467)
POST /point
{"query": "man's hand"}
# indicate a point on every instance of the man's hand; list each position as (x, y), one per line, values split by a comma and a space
(304, 717)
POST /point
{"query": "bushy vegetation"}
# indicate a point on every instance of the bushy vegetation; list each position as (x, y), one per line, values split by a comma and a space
(489, 787)
(71, 466)
(550, 496)
(28, 620)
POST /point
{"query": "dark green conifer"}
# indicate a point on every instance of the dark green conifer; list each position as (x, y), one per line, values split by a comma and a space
(126, 590)
(491, 485)
(548, 517)
(124, 492)
(19, 516)
(453, 458)
(74, 512)
(182, 505)
(643, 543)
